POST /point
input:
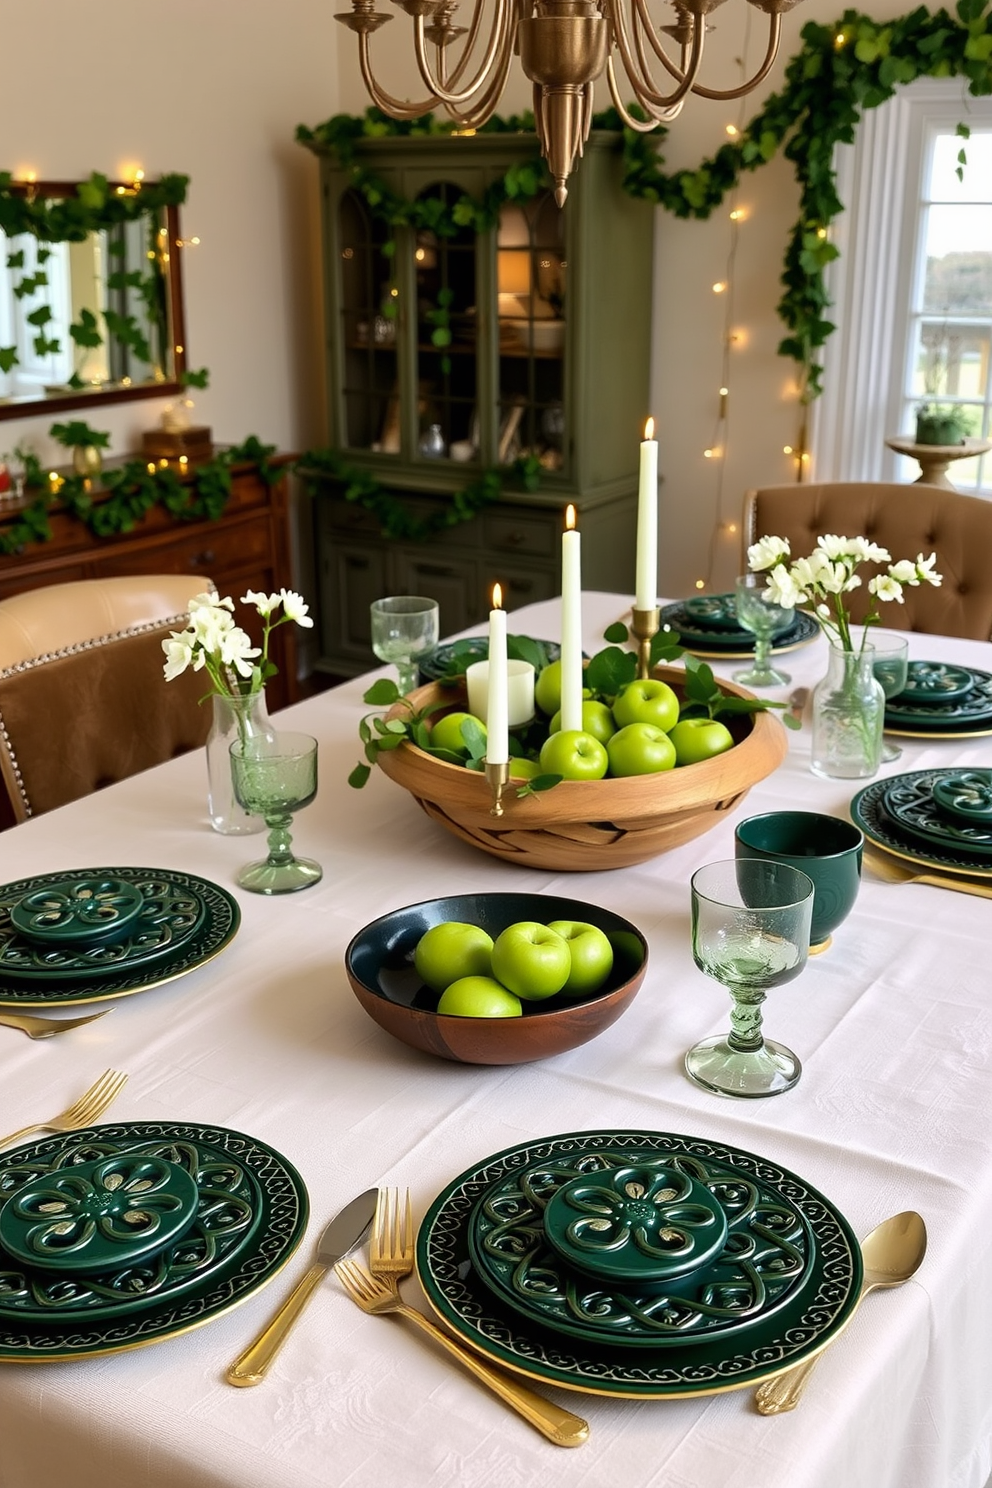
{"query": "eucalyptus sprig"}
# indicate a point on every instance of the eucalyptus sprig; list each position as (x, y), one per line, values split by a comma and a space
(380, 734)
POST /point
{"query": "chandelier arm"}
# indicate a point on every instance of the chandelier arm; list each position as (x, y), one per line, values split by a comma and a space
(655, 116)
(483, 108)
(647, 96)
(774, 36)
(646, 26)
(395, 107)
(462, 63)
(499, 39)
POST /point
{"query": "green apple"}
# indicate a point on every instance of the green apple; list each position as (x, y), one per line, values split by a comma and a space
(524, 769)
(446, 952)
(447, 732)
(647, 700)
(596, 720)
(592, 956)
(547, 688)
(531, 960)
(640, 749)
(479, 997)
(574, 755)
(698, 739)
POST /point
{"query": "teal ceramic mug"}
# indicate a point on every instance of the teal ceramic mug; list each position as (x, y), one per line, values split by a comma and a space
(825, 847)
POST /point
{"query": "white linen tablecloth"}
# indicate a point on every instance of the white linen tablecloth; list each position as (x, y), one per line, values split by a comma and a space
(893, 1025)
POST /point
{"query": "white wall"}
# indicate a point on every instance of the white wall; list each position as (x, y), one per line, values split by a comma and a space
(215, 88)
(212, 89)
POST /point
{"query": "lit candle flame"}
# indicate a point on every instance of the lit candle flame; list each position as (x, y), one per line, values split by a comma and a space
(570, 517)
(649, 429)
(497, 597)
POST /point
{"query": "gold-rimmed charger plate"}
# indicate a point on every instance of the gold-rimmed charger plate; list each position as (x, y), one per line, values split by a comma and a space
(217, 927)
(466, 1303)
(868, 813)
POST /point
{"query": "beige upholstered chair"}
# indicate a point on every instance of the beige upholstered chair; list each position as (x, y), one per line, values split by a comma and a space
(905, 519)
(83, 701)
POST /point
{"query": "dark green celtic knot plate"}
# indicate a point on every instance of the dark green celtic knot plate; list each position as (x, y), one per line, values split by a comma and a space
(763, 1251)
(915, 808)
(869, 812)
(729, 641)
(959, 716)
(184, 922)
(250, 1215)
(467, 1298)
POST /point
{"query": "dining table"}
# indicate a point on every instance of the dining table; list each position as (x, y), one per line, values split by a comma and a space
(893, 1025)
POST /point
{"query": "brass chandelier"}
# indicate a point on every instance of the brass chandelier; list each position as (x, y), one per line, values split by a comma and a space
(564, 46)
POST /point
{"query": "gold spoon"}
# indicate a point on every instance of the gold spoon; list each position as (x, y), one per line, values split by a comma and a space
(892, 1254)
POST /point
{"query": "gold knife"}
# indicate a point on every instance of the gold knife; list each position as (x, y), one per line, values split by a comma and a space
(342, 1234)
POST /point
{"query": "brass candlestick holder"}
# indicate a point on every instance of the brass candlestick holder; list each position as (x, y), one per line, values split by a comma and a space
(497, 775)
(644, 626)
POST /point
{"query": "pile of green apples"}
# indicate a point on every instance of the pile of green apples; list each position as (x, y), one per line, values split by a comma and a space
(639, 732)
(479, 977)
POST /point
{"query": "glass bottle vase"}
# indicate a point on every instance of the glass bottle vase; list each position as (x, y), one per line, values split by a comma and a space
(848, 716)
(233, 718)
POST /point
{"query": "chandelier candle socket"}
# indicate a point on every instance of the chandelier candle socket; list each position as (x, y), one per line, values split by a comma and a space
(571, 624)
(646, 581)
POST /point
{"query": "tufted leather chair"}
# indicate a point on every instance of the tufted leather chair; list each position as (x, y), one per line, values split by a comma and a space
(907, 520)
(83, 701)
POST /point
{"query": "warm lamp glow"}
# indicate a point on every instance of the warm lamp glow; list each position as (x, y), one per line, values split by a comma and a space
(513, 271)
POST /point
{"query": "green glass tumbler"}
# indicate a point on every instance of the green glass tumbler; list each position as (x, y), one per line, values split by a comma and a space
(275, 777)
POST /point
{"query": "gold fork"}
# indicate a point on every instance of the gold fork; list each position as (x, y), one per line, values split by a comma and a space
(377, 1297)
(42, 1028)
(894, 872)
(391, 1242)
(86, 1109)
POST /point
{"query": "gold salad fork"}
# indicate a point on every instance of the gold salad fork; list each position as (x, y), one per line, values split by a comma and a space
(391, 1242)
(86, 1109)
(42, 1028)
(377, 1297)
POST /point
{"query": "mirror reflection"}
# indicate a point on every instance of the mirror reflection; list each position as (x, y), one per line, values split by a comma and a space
(88, 313)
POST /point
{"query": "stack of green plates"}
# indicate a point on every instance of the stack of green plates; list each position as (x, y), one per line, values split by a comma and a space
(941, 702)
(638, 1263)
(923, 817)
(86, 934)
(125, 1234)
(707, 625)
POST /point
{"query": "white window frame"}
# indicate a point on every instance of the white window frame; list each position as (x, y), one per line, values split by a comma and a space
(879, 180)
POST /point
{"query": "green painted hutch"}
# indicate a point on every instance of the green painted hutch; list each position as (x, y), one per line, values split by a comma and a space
(448, 356)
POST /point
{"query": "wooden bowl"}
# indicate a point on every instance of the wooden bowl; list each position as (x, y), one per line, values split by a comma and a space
(379, 964)
(588, 825)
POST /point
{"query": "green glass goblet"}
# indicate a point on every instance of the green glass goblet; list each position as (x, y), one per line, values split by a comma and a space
(764, 619)
(750, 931)
(273, 778)
(404, 628)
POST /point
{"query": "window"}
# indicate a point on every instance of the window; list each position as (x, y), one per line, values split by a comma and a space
(912, 289)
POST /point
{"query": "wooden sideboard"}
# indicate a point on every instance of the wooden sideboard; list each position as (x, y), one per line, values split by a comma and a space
(247, 547)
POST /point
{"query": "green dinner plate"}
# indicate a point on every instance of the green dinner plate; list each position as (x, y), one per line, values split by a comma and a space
(194, 942)
(169, 915)
(533, 1235)
(721, 628)
(869, 813)
(251, 1216)
(912, 807)
(738, 645)
(934, 683)
(806, 1323)
(967, 713)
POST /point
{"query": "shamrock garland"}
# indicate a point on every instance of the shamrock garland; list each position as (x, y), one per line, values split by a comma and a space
(841, 69)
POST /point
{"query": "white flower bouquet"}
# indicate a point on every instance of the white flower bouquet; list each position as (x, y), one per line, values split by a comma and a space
(821, 581)
(213, 643)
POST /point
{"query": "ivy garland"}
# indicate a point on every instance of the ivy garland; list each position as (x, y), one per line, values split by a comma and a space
(134, 489)
(841, 69)
(394, 516)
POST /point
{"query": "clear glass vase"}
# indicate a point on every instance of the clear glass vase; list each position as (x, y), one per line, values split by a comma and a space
(234, 718)
(848, 715)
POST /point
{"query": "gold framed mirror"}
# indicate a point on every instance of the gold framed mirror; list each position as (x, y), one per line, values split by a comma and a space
(91, 298)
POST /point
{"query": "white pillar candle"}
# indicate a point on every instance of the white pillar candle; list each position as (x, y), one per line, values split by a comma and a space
(519, 691)
(646, 569)
(571, 624)
(497, 711)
